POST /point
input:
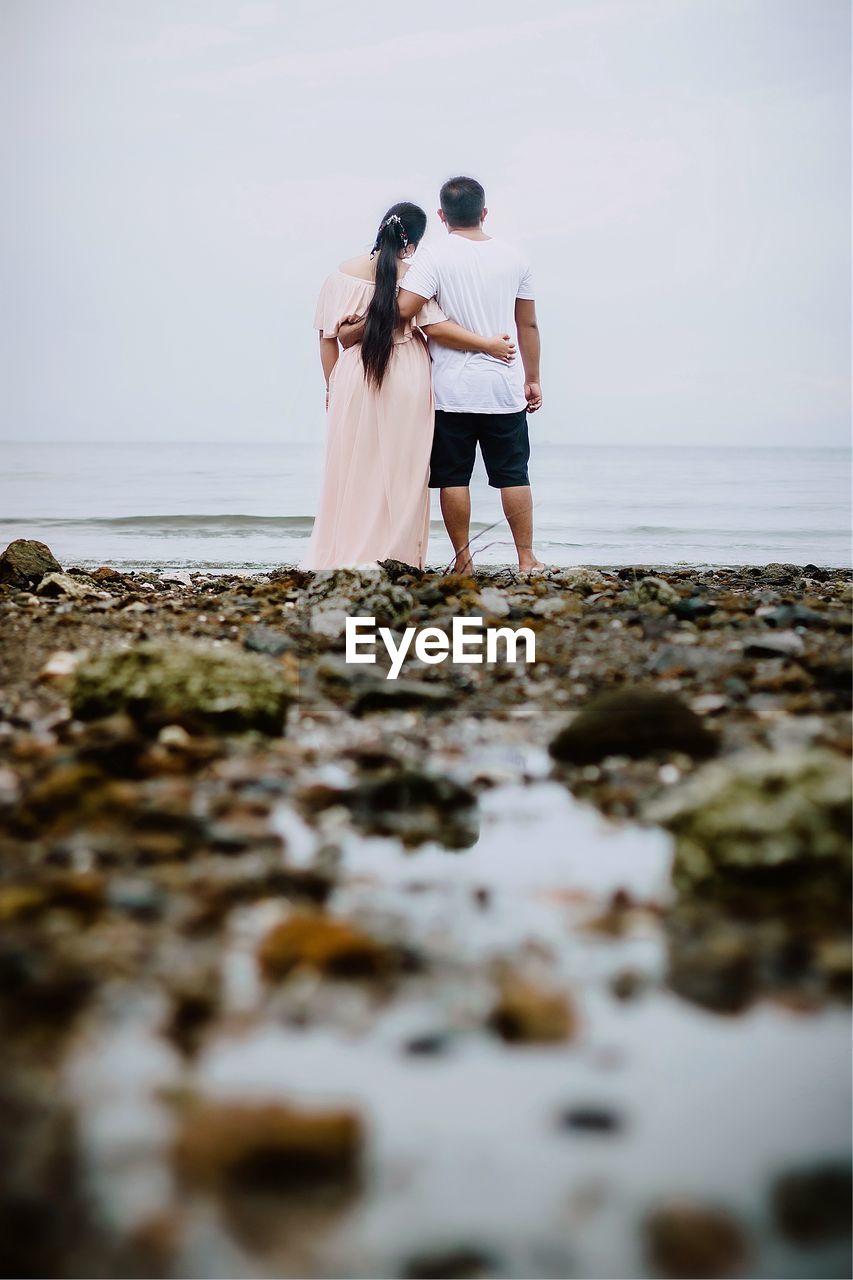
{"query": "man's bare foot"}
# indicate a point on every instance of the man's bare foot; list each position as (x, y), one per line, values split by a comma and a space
(463, 565)
(530, 565)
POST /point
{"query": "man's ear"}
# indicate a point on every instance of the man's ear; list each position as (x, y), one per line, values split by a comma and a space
(483, 216)
(441, 216)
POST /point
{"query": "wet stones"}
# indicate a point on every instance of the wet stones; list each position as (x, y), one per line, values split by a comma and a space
(656, 591)
(335, 595)
(786, 644)
(460, 1262)
(402, 695)
(260, 639)
(713, 962)
(246, 1145)
(326, 944)
(590, 1118)
(812, 1205)
(61, 586)
(26, 561)
(416, 806)
(527, 1013)
(691, 1242)
(765, 815)
(633, 722)
(189, 683)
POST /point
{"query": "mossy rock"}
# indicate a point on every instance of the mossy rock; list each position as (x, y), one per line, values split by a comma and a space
(763, 818)
(191, 683)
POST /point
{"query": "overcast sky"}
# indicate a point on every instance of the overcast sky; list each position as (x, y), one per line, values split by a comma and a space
(182, 174)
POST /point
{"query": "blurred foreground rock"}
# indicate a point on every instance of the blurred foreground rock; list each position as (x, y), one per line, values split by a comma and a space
(267, 1145)
(763, 817)
(187, 683)
(633, 722)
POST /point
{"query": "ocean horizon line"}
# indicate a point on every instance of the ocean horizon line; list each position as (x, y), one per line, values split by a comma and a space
(686, 446)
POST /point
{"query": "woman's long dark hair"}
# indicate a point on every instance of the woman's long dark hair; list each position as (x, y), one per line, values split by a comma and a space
(403, 224)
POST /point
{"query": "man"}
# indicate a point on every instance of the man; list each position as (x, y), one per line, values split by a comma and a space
(485, 285)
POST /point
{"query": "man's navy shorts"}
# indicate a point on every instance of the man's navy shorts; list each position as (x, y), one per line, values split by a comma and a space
(503, 441)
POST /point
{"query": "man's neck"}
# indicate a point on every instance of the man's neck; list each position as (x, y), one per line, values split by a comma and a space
(469, 233)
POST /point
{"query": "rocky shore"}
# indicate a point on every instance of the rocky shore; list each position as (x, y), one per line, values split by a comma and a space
(304, 971)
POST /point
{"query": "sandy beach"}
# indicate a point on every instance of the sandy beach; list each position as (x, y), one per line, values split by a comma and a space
(495, 970)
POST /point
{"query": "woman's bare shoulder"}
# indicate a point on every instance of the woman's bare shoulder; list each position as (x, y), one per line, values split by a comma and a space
(361, 267)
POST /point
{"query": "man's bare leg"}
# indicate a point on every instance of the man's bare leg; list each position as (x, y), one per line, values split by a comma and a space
(456, 510)
(517, 503)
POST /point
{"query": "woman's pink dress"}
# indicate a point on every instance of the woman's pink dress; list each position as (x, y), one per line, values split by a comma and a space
(375, 501)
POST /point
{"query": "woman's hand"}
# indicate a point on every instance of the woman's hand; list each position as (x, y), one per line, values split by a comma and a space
(351, 331)
(501, 347)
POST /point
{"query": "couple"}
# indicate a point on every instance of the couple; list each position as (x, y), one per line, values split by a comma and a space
(400, 423)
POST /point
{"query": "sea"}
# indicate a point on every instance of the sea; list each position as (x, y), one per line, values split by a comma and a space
(249, 506)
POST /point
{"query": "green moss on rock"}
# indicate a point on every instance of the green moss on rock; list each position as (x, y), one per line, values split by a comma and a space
(761, 818)
(195, 684)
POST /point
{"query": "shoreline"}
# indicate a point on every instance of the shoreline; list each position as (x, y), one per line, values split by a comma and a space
(253, 894)
(236, 571)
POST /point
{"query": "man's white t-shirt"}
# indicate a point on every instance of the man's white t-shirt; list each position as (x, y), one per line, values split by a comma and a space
(476, 283)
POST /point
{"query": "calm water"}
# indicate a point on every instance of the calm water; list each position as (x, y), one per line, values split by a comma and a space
(250, 506)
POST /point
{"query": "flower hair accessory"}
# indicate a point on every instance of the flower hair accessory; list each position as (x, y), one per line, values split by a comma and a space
(393, 219)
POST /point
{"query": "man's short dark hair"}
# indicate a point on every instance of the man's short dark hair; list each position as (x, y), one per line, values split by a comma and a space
(463, 201)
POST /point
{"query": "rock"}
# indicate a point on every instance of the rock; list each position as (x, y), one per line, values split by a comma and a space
(780, 572)
(174, 737)
(812, 1205)
(194, 994)
(61, 664)
(10, 787)
(399, 569)
(693, 607)
(184, 682)
(527, 1013)
(708, 704)
(261, 639)
(494, 603)
(584, 581)
(40, 986)
(628, 984)
(462, 1262)
(138, 898)
(590, 1119)
(325, 943)
(690, 1242)
(414, 805)
(775, 644)
(793, 615)
(635, 722)
(761, 814)
(267, 1145)
(114, 744)
(656, 591)
(338, 594)
(712, 961)
(25, 562)
(550, 606)
(400, 695)
(62, 585)
(427, 1045)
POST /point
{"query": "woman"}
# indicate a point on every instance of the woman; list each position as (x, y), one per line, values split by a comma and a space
(375, 501)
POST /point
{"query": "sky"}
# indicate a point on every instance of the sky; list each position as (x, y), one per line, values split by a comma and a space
(182, 175)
